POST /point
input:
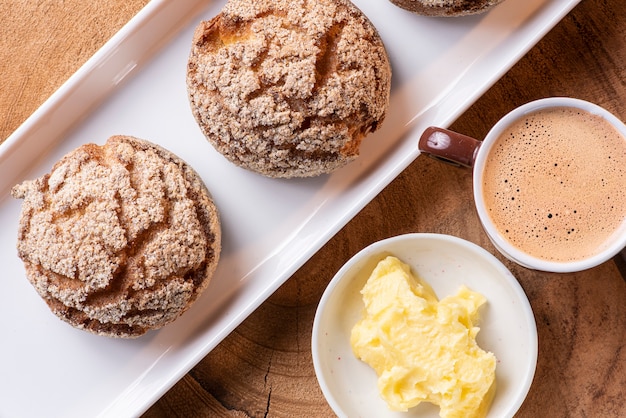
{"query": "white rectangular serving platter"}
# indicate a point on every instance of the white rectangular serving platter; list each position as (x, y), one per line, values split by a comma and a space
(135, 85)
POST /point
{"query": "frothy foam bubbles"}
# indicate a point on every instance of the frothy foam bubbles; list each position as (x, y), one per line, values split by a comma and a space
(554, 183)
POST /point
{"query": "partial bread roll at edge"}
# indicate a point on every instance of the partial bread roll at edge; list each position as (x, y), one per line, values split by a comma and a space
(288, 88)
(446, 7)
(118, 239)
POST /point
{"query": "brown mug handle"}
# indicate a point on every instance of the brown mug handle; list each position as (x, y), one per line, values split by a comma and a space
(449, 146)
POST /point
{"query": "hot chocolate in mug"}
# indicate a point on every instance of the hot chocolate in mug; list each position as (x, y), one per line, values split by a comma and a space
(549, 182)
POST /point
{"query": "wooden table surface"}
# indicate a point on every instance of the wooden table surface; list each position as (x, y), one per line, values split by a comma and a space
(264, 367)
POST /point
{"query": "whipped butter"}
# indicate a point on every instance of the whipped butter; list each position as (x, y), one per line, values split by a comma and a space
(423, 349)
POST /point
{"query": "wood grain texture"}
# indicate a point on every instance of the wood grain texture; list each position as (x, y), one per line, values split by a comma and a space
(44, 42)
(264, 367)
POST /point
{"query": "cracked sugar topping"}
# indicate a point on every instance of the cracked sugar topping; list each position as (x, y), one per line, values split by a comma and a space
(288, 88)
(446, 7)
(120, 238)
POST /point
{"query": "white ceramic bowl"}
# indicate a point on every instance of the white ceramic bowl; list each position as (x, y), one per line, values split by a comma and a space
(507, 326)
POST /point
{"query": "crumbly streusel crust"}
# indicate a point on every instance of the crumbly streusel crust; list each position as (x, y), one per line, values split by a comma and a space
(288, 88)
(118, 239)
(446, 7)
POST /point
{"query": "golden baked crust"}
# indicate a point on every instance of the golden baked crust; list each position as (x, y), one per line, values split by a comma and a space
(446, 7)
(288, 88)
(118, 239)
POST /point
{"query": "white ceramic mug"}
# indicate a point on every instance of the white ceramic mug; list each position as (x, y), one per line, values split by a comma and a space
(459, 149)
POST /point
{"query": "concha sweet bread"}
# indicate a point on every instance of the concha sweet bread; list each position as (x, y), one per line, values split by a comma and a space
(446, 7)
(118, 239)
(288, 88)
